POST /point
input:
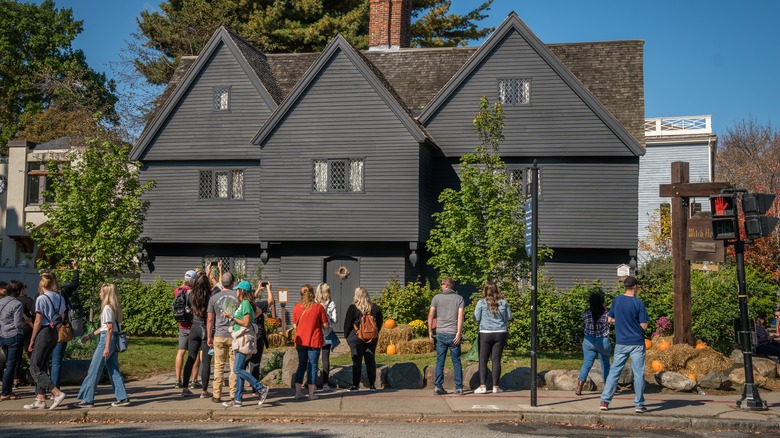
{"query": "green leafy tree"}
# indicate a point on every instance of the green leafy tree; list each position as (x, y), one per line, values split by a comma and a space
(478, 235)
(40, 70)
(95, 215)
(436, 27)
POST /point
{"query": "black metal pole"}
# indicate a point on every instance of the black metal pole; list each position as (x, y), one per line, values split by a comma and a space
(750, 400)
(534, 250)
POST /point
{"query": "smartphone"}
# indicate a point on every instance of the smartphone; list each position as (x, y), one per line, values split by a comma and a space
(213, 264)
(263, 283)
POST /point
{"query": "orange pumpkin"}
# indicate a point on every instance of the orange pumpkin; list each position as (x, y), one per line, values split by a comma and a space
(701, 346)
(692, 376)
(663, 345)
(657, 366)
(648, 344)
(391, 349)
(389, 324)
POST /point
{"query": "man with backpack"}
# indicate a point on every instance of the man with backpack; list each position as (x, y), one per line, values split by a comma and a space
(183, 315)
(448, 308)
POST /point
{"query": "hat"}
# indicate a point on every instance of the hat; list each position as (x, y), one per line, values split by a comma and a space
(247, 286)
(630, 281)
(190, 274)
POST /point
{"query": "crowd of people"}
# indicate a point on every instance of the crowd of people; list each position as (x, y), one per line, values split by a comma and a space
(225, 321)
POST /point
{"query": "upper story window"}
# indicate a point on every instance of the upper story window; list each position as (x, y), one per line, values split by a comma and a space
(520, 177)
(514, 91)
(38, 182)
(221, 184)
(222, 99)
(338, 175)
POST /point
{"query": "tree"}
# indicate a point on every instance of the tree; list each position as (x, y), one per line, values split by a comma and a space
(437, 28)
(659, 234)
(40, 70)
(749, 158)
(96, 214)
(478, 235)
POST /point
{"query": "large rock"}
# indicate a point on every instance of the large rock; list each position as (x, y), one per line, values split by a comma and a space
(737, 356)
(342, 377)
(594, 382)
(289, 367)
(675, 381)
(516, 380)
(714, 380)
(737, 376)
(404, 376)
(471, 377)
(271, 379)
(449, 379)
(564, 380)
(765, 367)
(626, 376)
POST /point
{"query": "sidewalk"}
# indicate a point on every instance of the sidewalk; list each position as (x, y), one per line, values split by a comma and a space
(156, 400)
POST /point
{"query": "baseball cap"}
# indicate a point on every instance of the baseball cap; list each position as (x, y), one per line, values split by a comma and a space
(247, 286)
(190, 274)
(630, 281)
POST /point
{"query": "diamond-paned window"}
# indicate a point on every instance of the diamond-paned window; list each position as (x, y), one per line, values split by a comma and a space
(342, 175)
(222, 99)
(516, 178)
(223, 184)
(235, 265)
(514, 91)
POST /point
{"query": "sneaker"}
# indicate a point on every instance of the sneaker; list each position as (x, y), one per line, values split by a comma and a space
(58, 400)
(263, 394)
(327, 388)
(439, 391)
(36, 405)
(353, 389)
(458, 391)
(178, 385)
(372, 388)
(480, 390)
(604, 406)
(205, 394)
(232, 404)
(121, 403)
(216, 399)
(640, 410)
(186, 393)
(196, 385)
(496, 390)
(83, 404)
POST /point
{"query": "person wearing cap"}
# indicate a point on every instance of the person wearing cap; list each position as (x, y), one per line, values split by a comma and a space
(629, 315)
(184, 334)
(218, 329)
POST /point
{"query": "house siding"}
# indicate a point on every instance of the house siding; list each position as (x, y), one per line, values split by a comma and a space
(193, 125)
(340, 115)
(555, 123)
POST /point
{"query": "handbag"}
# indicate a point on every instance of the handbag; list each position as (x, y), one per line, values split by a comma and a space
(121, 340)
(334, 340)
(64, 329)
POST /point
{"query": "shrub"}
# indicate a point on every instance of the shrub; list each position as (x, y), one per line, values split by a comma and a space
(405, 303)
(147, 308)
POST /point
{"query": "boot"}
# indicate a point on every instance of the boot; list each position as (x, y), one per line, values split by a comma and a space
(580, 385)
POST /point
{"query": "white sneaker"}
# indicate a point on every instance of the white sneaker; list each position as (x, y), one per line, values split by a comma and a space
(36, 405)
(263, 395)
(58, 400)
(496, 390)
(480, 390)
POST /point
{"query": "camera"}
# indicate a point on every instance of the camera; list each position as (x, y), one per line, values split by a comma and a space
(213, 264)
(263, 283)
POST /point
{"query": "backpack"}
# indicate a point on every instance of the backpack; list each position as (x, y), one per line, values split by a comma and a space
(182, 312)
(367, 330)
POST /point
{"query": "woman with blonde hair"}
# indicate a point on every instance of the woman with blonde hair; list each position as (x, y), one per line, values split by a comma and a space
(49, 315)
(322, 296)
(106, 353)
(360, 349)
(310, 320)
(493, 314)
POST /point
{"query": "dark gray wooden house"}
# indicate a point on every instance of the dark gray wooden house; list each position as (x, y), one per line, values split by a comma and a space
(302, 164)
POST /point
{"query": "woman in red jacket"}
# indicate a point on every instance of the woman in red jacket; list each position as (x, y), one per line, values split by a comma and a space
(309, 319)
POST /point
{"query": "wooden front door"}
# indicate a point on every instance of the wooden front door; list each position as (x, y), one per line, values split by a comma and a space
(342, 289)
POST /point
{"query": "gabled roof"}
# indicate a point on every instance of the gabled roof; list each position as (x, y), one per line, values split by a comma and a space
(513, 23)
(253, 63)
(372, 75)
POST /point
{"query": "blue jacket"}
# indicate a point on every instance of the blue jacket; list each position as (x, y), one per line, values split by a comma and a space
(488, 322)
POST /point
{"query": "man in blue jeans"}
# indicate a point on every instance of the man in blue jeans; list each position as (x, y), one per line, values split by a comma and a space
(629, 315)
(447, 307)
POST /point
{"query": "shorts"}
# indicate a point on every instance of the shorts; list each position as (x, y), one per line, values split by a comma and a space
(184, 337)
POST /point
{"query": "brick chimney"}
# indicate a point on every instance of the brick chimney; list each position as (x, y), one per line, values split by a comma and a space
(389, 24)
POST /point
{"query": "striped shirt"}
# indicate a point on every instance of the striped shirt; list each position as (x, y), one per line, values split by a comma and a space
(598, 330)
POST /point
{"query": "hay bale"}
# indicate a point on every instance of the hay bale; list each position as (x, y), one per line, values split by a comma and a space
(276, 340)
(415, 346)
(684, 359)
(394, 336)
(708, 359)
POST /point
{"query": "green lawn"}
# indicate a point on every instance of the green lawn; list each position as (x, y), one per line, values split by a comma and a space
(152, 356)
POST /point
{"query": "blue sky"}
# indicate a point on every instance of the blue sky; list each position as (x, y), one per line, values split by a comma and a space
(702, 57)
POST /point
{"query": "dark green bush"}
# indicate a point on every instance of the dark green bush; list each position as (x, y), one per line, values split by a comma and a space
(405, 303)
(147, 308)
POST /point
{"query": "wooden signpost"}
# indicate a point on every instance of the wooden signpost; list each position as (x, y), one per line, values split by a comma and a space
(703, 247)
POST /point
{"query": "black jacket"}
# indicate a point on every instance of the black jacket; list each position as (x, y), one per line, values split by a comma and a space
(353, 318)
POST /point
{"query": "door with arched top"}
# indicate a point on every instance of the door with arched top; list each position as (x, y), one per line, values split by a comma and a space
(342, 275)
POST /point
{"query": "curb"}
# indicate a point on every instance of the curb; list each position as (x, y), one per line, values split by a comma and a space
(253, 415)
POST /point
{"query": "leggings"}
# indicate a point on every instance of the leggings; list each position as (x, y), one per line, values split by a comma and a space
(325, 353)
(197, 343)
(491, 345)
